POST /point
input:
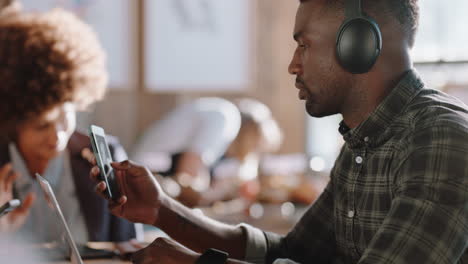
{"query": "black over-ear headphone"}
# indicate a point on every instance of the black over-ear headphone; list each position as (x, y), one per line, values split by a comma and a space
(358, 41)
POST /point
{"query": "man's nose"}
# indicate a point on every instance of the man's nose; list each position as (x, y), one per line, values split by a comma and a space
(294, 67)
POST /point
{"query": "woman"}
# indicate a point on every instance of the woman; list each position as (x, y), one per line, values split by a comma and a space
(51, 66)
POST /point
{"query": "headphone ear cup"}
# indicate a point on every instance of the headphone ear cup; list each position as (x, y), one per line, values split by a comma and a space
(358, 45)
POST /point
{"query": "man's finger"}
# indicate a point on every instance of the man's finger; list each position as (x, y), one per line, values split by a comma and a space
(88, 155)
(133, 169)
(121, 201)
(94, 173)
(126, 165)
(160, 241)
(120, 177)
(116, 207)
(100, 187)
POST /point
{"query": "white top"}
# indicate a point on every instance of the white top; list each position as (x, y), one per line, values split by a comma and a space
(42, 224)
(205, 126)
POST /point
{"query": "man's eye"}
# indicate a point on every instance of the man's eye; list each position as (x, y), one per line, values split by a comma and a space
(303, 46)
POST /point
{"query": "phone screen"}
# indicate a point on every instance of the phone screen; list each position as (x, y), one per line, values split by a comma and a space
(104, 159)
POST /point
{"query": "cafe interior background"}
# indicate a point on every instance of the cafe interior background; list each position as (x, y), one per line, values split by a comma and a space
(163, 53)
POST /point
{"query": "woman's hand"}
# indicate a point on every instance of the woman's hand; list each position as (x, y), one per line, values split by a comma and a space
(15, 219)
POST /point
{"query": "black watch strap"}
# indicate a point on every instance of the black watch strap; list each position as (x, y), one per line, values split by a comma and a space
(213, 256)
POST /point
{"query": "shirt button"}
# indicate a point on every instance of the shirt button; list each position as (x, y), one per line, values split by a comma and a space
(358, 159)
(350, 213)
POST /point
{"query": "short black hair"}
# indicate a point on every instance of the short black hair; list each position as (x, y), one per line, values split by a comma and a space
(406, 12)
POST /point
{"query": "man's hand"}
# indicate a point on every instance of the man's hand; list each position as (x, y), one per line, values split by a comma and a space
(15, 219)
(165, 250)
(144, 201)
(141, 194)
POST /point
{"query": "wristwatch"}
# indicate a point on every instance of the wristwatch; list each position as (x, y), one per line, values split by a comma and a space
(213, 256)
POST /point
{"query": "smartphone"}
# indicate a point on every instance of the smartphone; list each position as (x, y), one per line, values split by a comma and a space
(9, 206)
(103, 161)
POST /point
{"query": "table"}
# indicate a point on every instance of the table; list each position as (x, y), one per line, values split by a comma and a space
(278, 218)
(96, 261)
(97, 245)
(149, 236)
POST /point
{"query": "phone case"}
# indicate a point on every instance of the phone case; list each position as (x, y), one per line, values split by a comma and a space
(104, 164)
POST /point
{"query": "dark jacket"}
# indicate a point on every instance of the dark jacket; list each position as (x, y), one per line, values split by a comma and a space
(100, 223)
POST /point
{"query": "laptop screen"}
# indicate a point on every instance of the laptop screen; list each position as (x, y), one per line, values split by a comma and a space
(49, 193)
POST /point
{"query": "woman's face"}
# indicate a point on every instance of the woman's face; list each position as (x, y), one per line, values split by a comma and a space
(45, 136)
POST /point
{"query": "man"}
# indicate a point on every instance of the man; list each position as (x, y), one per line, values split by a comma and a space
(399, 189)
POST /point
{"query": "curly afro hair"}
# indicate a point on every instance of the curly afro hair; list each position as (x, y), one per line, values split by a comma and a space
(47, 59)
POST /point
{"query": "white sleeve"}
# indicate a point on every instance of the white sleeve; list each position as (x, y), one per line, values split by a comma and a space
(218, 122)
(284, 261)
(166, 136)
(256, 245)
(205, 126)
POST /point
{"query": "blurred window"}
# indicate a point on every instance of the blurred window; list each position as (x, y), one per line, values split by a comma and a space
(442, 34)
(441, 53)
(113, 22)
(198, 45)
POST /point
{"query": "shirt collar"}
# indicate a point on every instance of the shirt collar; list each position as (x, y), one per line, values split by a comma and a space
(391, 107)
(25, 181)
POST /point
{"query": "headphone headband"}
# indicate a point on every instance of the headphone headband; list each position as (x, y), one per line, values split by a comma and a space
(352, 9)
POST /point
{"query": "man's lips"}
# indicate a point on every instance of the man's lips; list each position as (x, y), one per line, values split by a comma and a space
(302, 90)
(299, 83)
(299, 86)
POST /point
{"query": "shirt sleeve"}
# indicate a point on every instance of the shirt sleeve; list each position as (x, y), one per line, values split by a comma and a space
(256, 245)
(205, 126)
(312, 238)
(428, 218)
(218, 122)
(284, 261)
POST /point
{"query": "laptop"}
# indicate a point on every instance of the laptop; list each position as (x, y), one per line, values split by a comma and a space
(73, 252)
(75, 256)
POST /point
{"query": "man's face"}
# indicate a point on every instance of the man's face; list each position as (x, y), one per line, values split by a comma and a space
(47, 135)
(322, 83)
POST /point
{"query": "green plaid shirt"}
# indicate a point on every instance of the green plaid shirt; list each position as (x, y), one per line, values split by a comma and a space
(398, 191)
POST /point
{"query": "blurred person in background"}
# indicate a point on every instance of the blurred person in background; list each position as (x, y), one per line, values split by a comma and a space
(52, 65)
(186, 142)
(210, 144)
(236, 173)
